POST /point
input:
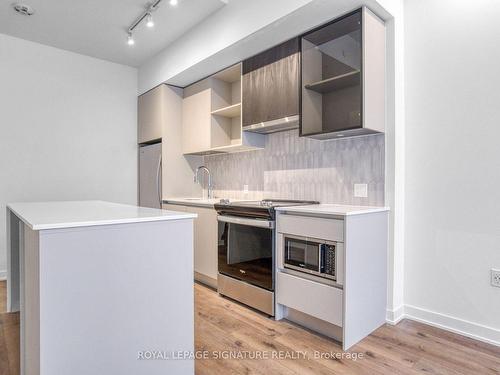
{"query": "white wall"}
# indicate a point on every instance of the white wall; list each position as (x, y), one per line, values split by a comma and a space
(453, 164)
(394, 157)
(67, 128)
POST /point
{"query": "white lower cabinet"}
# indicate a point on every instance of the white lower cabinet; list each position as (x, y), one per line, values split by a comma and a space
(323, 302)
(205, 242)
(350, 307)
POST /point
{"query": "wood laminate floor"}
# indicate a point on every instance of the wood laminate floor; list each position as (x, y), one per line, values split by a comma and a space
(223, 327)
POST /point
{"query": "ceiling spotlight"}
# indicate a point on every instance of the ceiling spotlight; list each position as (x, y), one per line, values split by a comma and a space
(130, 40)
(150, 22)
(174, 2)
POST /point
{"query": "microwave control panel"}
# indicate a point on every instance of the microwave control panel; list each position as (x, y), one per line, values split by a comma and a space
(329, 259)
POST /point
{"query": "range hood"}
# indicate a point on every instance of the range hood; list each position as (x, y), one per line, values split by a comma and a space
(273, 126)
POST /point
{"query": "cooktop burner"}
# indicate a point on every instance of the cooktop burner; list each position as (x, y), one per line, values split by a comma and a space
(257, 209)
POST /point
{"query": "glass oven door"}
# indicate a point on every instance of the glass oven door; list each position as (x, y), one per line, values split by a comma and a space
(246, 250)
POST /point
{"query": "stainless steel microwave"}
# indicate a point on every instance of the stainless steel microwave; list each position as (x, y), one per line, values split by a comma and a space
(316, 257)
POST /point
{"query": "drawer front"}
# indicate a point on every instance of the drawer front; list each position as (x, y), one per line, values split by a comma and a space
(313, 227)
(321, 301)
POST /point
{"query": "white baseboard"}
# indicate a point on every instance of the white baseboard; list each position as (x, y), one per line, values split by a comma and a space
(393, 317)
(3, 275)
(466, 328)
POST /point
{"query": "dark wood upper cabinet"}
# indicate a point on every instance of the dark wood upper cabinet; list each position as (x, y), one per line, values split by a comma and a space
(270, 89)
(343, 77)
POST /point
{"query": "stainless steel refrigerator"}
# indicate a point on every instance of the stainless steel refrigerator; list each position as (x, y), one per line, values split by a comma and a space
(150, 175)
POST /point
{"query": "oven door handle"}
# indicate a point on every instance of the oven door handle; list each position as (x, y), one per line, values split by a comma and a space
(244, 221)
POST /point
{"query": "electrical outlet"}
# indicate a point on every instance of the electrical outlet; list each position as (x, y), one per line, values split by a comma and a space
(361, 190)
(495, 278)
(245, 189)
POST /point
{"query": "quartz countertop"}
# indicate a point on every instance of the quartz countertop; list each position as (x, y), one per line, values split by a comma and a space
(332, 209)
(69, 214)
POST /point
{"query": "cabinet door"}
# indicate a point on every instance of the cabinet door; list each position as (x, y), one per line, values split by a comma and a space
(270, 84)
(150, 115)
(196, 118)
(205, 243)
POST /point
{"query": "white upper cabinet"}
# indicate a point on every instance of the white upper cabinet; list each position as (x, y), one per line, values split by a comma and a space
(196, 122)
(212, 116)
(150, 115)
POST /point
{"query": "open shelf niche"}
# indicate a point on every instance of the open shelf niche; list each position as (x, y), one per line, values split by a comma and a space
(343, 77)
(226, 107)
(331, 77)
(336, 83)
(211, 119)
(231, 111)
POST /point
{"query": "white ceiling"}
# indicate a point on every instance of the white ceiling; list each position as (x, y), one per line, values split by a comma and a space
(98, 28)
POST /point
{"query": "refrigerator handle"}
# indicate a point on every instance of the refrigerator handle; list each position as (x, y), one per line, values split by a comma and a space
(158, 180)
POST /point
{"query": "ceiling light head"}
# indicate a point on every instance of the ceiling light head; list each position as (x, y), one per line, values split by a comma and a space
(174, 2)
(23, 9)
(150, 22)
(130, 39)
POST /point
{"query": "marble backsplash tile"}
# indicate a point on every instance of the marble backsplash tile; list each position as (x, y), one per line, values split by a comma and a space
(293, 167)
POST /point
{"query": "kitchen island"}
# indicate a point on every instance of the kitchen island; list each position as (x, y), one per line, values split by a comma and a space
(102, 288)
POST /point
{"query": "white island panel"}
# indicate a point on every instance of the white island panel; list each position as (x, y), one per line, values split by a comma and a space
(111, 292)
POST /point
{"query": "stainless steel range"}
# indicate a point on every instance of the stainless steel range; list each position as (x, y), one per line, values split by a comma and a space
(246, 238)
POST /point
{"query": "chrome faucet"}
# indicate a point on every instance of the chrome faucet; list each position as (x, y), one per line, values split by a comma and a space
(197, 180)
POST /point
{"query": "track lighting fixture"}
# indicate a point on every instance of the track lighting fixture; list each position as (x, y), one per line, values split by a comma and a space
(148, 15)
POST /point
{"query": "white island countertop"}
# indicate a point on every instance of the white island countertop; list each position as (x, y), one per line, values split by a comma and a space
(70, 214)
(332, 209)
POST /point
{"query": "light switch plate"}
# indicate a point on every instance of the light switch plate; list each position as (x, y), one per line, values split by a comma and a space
(361, 190)
(245, 188)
